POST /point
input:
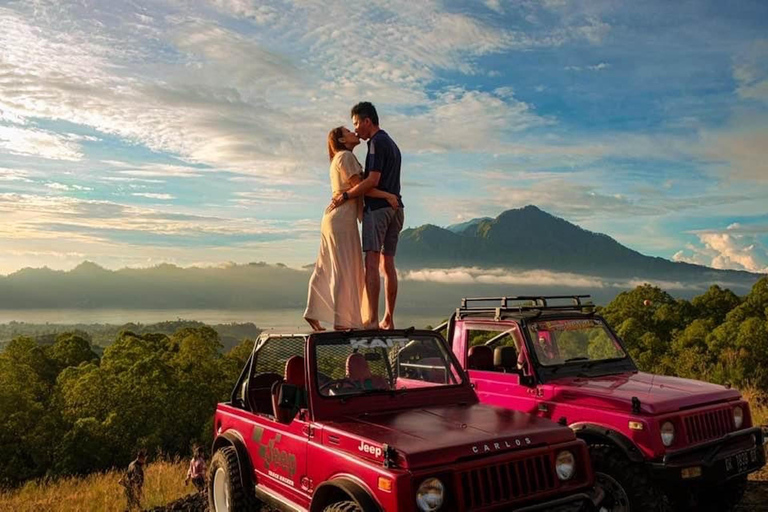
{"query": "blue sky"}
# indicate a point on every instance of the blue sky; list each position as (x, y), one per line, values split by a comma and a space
(192, 132)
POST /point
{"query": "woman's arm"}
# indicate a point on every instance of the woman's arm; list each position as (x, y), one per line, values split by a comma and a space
(375, 192)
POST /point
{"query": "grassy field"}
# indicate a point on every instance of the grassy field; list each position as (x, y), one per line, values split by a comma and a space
(100, 492)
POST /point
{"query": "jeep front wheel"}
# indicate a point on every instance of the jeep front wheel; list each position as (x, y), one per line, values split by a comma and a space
(343, 506)
(628, 486)
(225, 489)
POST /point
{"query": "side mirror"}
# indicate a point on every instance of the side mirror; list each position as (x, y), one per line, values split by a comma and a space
(287, 398)
(289, 401)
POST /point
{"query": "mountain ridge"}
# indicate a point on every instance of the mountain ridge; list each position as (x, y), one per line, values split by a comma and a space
(544, 242)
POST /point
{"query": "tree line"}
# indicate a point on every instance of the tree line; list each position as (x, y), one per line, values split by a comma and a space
(66, 409)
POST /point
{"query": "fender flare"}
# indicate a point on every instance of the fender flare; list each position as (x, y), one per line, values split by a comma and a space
(233, 439)
(352, 489)
(591, 432)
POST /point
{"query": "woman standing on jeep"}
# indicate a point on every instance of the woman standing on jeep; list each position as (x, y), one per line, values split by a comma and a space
(337, 286)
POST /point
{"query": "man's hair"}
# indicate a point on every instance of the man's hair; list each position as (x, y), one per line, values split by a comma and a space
(365, 109)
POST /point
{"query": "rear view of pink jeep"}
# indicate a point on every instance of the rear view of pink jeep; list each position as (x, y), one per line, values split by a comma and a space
(656, 442)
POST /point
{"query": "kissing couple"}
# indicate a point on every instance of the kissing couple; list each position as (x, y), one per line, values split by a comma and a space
(343, 292)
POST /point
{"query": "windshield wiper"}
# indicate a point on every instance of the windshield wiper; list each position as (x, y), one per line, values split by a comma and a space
(574, 359)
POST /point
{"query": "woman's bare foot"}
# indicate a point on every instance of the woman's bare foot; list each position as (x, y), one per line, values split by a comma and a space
(314, 324)
(387, 323)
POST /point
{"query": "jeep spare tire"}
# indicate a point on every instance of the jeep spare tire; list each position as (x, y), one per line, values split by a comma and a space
(225, 487)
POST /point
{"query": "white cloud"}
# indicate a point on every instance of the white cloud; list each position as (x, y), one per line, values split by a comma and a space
(34, 142)
(474, 275)
(151, 195)
(736, 248)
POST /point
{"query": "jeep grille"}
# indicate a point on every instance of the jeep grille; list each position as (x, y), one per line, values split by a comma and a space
(704, 426)
(506, 482)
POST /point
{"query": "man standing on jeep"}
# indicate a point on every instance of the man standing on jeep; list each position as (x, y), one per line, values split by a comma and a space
(133, 481)
(381, 223)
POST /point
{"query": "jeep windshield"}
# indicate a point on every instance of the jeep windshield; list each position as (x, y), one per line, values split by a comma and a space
(351, 365)
(583, 343)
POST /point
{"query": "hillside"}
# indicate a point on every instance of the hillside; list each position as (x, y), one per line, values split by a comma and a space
(529, 238)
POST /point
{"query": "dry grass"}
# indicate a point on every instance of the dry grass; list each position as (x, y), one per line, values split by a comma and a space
(163, 483)
(758, 404)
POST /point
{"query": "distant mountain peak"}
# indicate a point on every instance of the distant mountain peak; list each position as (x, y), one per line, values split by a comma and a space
(88, 266)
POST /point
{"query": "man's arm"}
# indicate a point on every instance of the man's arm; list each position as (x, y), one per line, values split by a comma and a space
(365, 186)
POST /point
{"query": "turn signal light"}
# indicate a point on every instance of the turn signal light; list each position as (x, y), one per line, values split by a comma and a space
(693, 472)
(385, 484)
(636, 425)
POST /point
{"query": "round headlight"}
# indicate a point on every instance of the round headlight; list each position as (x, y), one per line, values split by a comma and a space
(565, 465)
(667, 433)
(738, 417)
(430, 495)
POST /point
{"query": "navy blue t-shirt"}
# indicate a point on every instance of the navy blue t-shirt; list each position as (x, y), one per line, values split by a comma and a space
(383, 156)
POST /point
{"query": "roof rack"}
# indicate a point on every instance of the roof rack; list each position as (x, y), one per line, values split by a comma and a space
(523, 303)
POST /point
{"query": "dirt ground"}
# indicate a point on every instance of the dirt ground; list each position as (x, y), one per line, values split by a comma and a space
(756, 499)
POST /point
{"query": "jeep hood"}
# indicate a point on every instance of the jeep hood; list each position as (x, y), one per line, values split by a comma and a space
(658, 394)
(430, 436)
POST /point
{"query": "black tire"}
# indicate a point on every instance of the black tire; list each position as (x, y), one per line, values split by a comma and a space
(628, 485)
(343, 506)
(240, 499)
(719, 498)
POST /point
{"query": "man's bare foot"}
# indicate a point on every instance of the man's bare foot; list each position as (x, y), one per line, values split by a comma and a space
(387, 324)
(314, 324)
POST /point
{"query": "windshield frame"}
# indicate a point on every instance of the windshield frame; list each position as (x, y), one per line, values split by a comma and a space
(462, 381)
(591, 368)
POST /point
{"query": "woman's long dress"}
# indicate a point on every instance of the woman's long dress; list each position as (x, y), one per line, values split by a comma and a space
(337, 286)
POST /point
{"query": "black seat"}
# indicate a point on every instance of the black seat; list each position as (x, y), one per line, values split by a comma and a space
(260, 392)
(480, 358)
(505, 358)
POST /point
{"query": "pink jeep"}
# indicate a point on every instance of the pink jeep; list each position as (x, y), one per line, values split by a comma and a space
(383, 421)
(654, 440)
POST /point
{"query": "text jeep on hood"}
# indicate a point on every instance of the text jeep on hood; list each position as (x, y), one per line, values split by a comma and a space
(383, 421)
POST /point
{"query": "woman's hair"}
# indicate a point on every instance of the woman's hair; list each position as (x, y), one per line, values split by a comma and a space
(334, 145)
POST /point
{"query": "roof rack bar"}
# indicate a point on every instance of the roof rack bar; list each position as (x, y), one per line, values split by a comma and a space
(539, 300)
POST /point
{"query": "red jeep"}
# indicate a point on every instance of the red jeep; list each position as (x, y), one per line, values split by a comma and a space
(654, 440)
(383, 421)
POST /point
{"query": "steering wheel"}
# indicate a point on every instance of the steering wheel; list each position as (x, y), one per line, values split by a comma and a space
(338, 385)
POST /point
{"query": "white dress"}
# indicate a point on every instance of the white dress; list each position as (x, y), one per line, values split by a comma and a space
(337, 286)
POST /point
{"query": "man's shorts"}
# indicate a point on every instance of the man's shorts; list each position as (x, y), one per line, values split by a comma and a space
(381, 229)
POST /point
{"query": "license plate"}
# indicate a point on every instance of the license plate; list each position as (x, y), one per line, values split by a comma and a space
(741, 462)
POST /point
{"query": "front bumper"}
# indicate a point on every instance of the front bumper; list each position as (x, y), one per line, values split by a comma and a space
(581, 502)
(733, 455)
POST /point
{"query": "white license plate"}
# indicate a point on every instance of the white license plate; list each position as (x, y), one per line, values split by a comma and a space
(741, 462)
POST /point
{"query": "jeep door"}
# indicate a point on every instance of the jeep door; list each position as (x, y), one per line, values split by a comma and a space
(498, 384)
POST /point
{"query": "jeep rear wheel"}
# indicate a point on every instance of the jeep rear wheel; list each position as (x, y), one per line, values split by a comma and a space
(628, 486)
(343, 506)
(225, 488)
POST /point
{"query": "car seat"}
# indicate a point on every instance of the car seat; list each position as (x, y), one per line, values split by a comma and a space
(505, 359)
(294, 375)
(480, 358)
